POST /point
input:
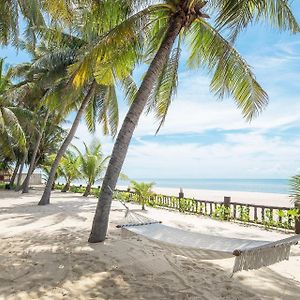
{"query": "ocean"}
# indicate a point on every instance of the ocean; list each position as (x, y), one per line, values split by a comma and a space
(278, 186)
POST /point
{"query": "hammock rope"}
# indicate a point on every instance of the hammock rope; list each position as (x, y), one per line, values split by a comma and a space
(249, 254)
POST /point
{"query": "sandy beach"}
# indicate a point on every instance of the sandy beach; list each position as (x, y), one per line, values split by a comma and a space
(44, 254)
(270, 199)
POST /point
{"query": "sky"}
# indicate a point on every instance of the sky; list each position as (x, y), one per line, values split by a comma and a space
(204, 137)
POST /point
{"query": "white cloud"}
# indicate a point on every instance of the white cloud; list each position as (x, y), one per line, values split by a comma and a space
(196, 110)
(259, 153)
(239, 156)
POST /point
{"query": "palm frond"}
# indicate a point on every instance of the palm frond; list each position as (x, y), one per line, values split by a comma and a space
(237, 15)
(295, 188)
(231, 74)
(166, 89)
(129, 88)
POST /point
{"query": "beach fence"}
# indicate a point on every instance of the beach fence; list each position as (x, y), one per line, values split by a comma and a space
(267, 216)
(287, 218)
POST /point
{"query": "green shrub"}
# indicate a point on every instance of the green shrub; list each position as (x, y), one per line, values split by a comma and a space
(244, 212)
(221, 212)
(268, 220)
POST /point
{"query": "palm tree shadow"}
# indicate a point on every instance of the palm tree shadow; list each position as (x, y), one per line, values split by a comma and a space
(28, 213)
(66, 265)
(62, 262)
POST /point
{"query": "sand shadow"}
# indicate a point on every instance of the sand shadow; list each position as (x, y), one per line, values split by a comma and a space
(66, 265)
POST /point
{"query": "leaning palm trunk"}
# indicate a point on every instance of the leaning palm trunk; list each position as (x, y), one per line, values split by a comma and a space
(87, 190)
(25, 185)
(14, 175)
(100, 223)
(51, 179)
(66, 188)
(18, 187)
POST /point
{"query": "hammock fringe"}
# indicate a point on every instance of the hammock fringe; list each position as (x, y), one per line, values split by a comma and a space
(252, 260)
(249, 254)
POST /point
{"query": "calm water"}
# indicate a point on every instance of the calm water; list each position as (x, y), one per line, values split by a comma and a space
(278, 186)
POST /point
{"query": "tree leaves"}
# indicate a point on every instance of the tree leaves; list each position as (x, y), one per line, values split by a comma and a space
(236, 15)
(231, 74)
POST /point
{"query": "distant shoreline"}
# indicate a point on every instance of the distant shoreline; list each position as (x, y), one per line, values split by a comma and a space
(258, 198)
(268, 199)
(274, 186)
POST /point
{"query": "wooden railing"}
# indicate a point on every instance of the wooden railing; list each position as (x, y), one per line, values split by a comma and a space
(269, 216)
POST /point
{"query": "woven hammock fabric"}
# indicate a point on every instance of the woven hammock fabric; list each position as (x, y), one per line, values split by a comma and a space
(250, 254)
(194, 240)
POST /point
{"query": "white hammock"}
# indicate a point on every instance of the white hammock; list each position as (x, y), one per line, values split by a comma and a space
(249, 254)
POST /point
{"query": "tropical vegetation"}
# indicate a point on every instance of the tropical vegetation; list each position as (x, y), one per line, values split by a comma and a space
(69, 168)
(92, 164)
(143, 191)
(83, 51)
(168, 25)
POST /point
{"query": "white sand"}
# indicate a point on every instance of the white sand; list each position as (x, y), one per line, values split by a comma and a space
(44, 254)
(270, 199)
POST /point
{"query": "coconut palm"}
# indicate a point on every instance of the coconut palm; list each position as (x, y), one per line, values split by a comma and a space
(41, 82)
(46, 81)
(69, 166)
(98, 99)
(52, 139)
(92, 164)
(34, 14)
(11, 131)
(295, 195)
(168, 25)
(46, 167)
(295, 189)
(143, 191)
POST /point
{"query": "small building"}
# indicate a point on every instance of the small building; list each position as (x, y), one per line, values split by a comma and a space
(5, 175)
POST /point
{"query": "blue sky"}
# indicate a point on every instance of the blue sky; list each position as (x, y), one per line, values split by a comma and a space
(207, 138)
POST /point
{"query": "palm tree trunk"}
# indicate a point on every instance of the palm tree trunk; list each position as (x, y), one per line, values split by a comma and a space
(18, 187)
(66, 188)
(143, 204)
(14, 175)
(87, 190)
(51, 179)
(25, 185)
(100, 223)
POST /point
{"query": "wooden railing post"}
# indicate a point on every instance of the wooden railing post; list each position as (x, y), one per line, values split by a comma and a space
(297, 219)
(181, 194)
(227, 201)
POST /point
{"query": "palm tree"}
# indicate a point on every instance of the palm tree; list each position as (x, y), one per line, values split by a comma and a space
(92, 164)
(11, 132)
(46, 167)
(46, 81)
(98, 99)
(167, 25)
(40, 132)
(69, 166)
(33, 14)
(295, 189)
(143, 191)
(50, 143)
(42, 81)
(18, 154)
(295, 195)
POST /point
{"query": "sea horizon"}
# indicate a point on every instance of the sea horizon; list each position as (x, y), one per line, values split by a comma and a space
(267, 185)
